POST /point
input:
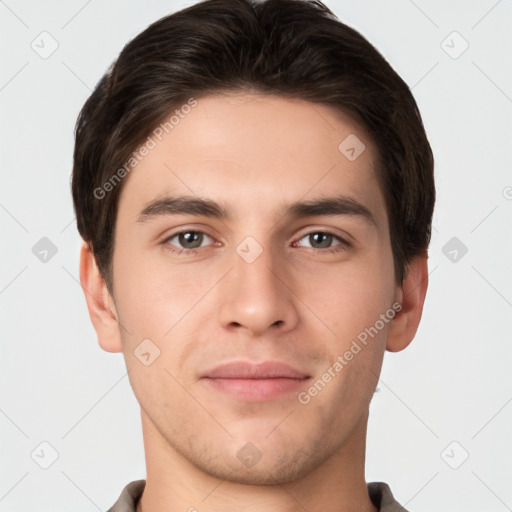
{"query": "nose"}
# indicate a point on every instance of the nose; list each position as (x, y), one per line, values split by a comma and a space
(257, 296)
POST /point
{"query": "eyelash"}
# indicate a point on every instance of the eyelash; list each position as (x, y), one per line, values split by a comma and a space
(343, 244)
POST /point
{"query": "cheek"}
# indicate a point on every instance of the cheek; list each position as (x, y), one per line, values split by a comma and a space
(348, 298)
(140, 299)
(156, 298)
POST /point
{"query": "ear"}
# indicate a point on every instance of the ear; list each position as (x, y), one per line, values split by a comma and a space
(100, 303)
(411, 295)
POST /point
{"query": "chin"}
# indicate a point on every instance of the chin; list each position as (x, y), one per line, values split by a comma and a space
(272, 468)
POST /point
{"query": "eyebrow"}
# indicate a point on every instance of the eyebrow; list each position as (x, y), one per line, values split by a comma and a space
(331, 206)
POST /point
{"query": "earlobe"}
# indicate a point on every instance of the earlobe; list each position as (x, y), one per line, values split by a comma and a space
(412, 297)
(97, 296)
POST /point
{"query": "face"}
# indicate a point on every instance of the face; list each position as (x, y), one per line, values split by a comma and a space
(249, 235)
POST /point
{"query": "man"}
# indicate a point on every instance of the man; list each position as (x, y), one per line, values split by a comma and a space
(255, 190)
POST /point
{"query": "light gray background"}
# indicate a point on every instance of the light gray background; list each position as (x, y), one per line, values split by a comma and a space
(451, 385)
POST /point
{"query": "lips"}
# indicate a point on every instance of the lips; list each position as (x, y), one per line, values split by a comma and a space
(246, 370)
(254, 382)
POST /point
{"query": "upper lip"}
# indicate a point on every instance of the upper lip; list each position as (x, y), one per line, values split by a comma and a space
(248, 370)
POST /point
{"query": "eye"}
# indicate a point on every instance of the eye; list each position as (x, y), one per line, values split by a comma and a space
(323, 240)
(187, 240)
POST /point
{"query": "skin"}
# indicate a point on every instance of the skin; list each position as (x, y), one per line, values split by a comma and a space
(296, 303)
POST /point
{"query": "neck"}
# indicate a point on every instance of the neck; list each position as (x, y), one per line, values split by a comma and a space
(174, 483)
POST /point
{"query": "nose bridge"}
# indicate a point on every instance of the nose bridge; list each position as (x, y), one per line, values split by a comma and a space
(254, 295)
(253, 274)
(255, 266)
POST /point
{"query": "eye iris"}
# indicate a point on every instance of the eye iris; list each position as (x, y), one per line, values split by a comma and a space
(321, 240)
(190, 239)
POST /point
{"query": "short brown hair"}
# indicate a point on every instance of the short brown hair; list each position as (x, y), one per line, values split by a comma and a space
(292, 48)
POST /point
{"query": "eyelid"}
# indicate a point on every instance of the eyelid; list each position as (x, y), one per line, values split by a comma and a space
(341, 244)
(205, 230)
(189, 231)
(176, 249)
(343, 237)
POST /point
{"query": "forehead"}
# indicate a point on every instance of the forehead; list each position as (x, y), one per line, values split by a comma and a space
(246, 149)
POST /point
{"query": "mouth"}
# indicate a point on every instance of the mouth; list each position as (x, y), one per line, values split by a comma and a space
(255, 382)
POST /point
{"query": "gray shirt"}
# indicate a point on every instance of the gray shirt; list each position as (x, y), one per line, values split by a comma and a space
(379, 492)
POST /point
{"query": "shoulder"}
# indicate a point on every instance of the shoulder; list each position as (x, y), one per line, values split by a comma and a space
(127, 501)
(383, 498)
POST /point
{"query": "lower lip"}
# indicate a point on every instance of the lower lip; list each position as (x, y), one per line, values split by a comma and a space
(256, 390)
